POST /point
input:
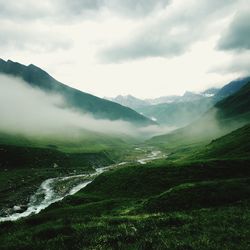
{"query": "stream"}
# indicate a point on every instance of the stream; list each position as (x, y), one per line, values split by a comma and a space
(55, 189)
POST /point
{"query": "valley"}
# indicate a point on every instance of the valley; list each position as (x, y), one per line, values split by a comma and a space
(92, 174)
(124, 125)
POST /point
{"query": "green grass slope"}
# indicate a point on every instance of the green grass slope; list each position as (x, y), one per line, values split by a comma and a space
(234, 144)
(205, 194)
(12, 157)
(200, 203)
(190, 206)
(87, 141)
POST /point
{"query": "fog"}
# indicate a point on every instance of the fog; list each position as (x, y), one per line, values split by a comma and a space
(210, 126)
(32, 112)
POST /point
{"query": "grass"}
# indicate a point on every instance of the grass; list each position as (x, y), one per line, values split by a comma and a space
(190, 206)
(22, 169)
(86, 142)
(197, 199)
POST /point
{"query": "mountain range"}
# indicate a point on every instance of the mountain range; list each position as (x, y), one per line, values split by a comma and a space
(178, 111)
(225, 116)
(136, 103)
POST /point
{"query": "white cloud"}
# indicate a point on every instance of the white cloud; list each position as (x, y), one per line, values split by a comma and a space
(154, 48)
(30, 111)
(171, 34)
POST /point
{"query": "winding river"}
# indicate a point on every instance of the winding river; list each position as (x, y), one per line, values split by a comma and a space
(55, 189)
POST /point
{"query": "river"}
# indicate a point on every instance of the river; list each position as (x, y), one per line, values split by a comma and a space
(55, 189)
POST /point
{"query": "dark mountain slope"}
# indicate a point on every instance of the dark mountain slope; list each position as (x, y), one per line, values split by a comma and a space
(84, 102)
(236, 104)
(231, 88)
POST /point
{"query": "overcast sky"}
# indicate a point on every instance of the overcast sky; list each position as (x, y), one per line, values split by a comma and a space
(146, 48)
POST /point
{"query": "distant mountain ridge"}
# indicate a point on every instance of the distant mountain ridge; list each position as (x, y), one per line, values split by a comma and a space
(128, 101)
(84, 102)
(225, 116)
(231, 88)
(177, 114)
(217, 93)
(179, 111)
(134, 102)
(235, 105)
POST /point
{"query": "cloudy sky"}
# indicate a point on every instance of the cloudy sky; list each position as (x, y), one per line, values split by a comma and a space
(147, 48)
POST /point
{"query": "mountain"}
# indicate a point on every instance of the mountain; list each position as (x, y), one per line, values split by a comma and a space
(170, 110)
(227, 115)
(186, 97)
(177, 114)
(190, 96)
(210, 92)
(163, 99)
(236, 105)
(231, 88)
(217, 93)
(182, 110)
(136, 103)
(100, 108)
(232, 145)
(129, 101)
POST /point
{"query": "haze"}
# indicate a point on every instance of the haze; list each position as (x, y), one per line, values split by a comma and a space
(31, 112)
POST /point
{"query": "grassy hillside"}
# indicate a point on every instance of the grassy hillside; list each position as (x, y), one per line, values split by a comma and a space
(84, 102)
(198, 203)
(12, 157)
(235, 144)
(87, 141)
(198, 206)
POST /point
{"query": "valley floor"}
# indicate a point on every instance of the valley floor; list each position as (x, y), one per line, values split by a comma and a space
(153, 206)
(196, 197)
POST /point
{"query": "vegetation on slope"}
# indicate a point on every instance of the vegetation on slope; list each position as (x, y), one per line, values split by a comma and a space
(201, 203)
(234, 144)
(196, 198)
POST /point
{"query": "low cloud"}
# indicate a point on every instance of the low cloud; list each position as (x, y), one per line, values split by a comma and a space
(25, 9)
(239, 64)
(31, 112)
(172, 34)
(237, 36)
(34, 38)
(65, 10)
